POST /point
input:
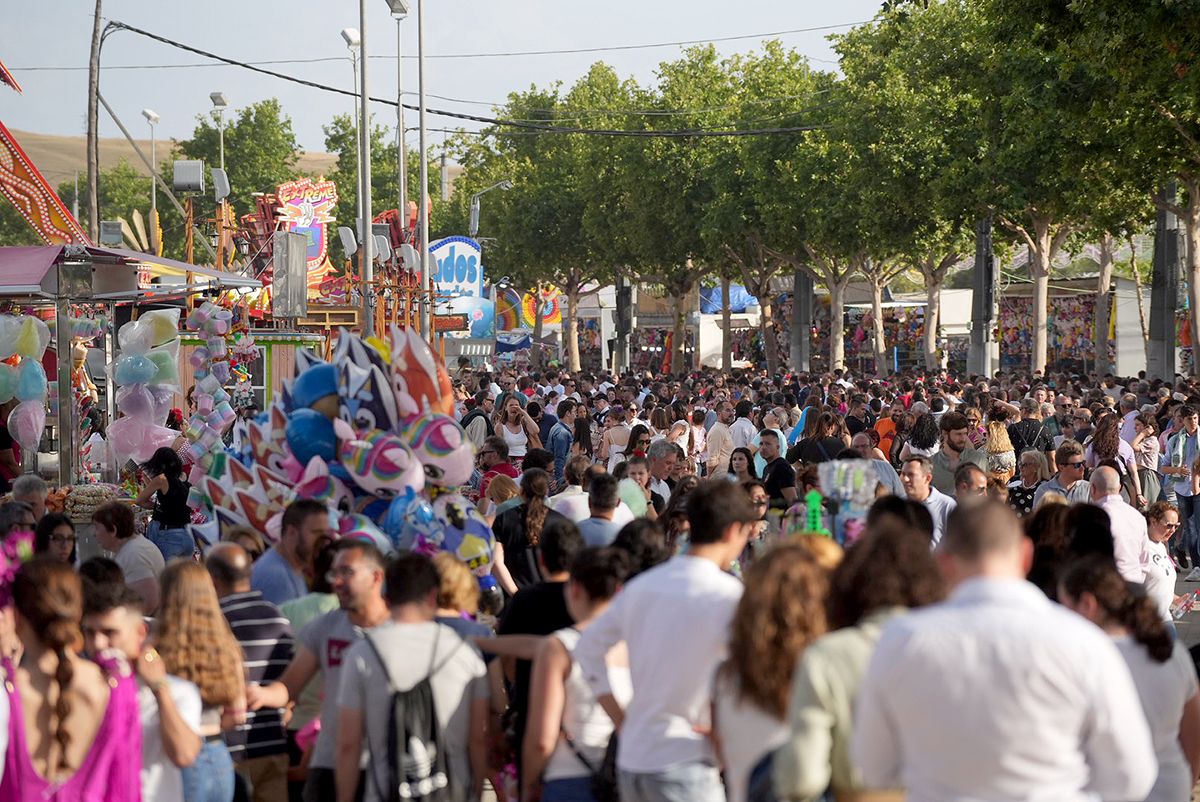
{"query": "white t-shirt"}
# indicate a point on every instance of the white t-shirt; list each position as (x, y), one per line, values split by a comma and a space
(1163, 688)
(746, 732)
(161, 779)
(1160, 578)
(139, 559)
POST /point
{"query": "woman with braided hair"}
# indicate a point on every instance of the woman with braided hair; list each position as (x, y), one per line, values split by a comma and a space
(73, 729)
(1162, 670)
(519, 532)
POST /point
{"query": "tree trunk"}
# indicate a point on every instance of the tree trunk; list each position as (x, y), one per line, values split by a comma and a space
(536, 353)
(679, 338)
(933, 314)
(93, 131)
(878, 336)
(1191, 228)
(726, 325)
(1141, 307)
(1103, 304)
(837, 322)
(766, 324)
(572, 328)
(1041, 298)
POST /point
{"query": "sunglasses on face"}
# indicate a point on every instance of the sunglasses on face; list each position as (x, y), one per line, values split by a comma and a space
(1073, 464)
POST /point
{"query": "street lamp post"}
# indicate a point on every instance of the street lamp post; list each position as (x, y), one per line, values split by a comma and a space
(364, 176)
(474, 226)
(351, 37)
(219, 105)
(399, 9)
(152, 118)
(423, 209)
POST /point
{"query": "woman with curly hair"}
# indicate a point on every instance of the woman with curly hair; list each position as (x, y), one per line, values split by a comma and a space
(1162, 670)
(780, 613)
(197, 645)
(73, 725)
(923, 439)
(889, 570)
(519, 531)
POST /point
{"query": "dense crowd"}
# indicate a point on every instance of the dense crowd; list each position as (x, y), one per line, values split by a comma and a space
(1001, 627)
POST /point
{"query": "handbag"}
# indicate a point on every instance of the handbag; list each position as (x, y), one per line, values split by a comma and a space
(603, 776)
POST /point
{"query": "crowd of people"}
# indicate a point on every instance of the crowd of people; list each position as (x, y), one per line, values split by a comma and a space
(1001, 627)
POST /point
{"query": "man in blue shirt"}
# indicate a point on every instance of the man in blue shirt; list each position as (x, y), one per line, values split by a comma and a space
(562, 435)
(279, 574)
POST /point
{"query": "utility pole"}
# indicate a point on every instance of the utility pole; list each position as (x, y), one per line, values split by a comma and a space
(983, 306)
(364, 177)
(1164, 291)
(93, 134)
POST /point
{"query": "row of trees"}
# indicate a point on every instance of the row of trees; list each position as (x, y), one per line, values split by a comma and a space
(1063, 123)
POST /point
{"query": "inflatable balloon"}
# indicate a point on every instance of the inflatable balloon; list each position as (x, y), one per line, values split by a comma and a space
(310, 434)
(360, 527)
(8, 382)
(443, 449)
(32, 338)
(379, 463)
(319, 485)
(465, 533)
(31, 381)
(316, 385)
(410, 518)
(26, 423)
(418, 375)
(366, 397)
(134, 369)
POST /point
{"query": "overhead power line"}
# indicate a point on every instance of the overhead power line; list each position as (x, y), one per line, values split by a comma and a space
(508, 54)
(698, 132)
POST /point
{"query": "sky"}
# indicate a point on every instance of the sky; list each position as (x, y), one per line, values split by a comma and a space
(56, 33)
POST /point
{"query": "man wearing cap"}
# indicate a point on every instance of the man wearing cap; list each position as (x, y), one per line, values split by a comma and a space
(478, 422)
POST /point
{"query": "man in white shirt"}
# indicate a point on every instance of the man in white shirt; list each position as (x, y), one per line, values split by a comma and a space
(1131, 541)
(169, 707)
(998, 693)
(742, 431)
(1129, 414)
(720, 440)
(662, 456)
(917, 478)
(573, 502)
(674, 619)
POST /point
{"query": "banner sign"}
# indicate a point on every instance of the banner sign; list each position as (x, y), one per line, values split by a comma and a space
(448, 323)
(458, 280)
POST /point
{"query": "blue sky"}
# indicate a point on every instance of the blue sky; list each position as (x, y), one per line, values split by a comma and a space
(55, 33)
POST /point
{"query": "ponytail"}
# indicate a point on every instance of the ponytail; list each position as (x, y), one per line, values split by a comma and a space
(63, 675)
(1098, 576)
(535, 485)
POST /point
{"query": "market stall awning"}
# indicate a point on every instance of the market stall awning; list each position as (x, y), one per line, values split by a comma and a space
(29, 271)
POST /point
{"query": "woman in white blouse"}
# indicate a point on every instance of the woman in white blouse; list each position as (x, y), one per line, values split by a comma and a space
(1162, 669)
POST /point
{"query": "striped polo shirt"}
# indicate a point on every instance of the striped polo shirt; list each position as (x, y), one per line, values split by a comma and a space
(267, 646)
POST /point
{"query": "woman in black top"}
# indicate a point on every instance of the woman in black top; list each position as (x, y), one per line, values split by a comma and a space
(824, 445)
(518, 534)
(166, 493)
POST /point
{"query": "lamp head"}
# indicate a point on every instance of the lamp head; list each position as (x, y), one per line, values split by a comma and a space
(506, 184)
(399, 8)
(218, 100)
(350, 37)
(151, 116)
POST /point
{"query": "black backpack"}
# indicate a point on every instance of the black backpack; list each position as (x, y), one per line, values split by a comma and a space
(418, 766)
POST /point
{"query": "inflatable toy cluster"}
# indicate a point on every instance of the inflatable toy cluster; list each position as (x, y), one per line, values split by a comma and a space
(370, 435)
(23, 341)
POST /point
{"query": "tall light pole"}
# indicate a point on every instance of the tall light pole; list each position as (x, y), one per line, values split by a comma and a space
(423, 208)
(364, 175)
(219, 105)
(473, 228)
(399, 9)
(351, 37)
(152, 118)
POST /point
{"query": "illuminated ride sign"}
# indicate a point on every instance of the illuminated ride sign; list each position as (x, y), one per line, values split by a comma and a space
(307, 207)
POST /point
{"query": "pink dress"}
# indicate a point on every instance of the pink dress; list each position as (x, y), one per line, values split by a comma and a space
(111, 770)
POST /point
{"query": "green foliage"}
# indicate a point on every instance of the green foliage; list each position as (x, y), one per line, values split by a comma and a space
(260, 149)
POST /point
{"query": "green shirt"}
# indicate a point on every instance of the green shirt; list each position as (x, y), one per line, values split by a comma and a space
(943, 472)
(300, 611)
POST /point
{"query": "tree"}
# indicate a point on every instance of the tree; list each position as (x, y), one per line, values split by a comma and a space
(260, 149)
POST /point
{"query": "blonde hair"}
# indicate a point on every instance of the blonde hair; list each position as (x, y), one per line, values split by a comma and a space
(194, 638)
(502, 488)
(825, 550)
(457, 588)
(998, 441)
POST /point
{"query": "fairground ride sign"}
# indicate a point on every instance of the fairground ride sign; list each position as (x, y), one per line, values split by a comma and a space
(307, 207)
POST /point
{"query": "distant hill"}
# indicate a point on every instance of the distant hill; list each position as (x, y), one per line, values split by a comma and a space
(58, 157)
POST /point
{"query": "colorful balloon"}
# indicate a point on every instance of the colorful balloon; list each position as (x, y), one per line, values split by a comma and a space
(380, 463)
(317, 382)
(410, 518)
(443, 449)
(310, 434)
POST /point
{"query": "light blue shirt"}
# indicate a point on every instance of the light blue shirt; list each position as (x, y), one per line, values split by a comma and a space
(598, 532)
(1183, 487)
(277, 581)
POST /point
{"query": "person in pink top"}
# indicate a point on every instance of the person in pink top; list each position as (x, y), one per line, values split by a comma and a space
(88, 747)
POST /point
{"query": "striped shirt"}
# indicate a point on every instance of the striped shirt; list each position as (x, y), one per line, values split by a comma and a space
(267, 646)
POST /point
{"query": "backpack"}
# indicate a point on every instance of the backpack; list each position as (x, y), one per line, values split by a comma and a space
(418, 766)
